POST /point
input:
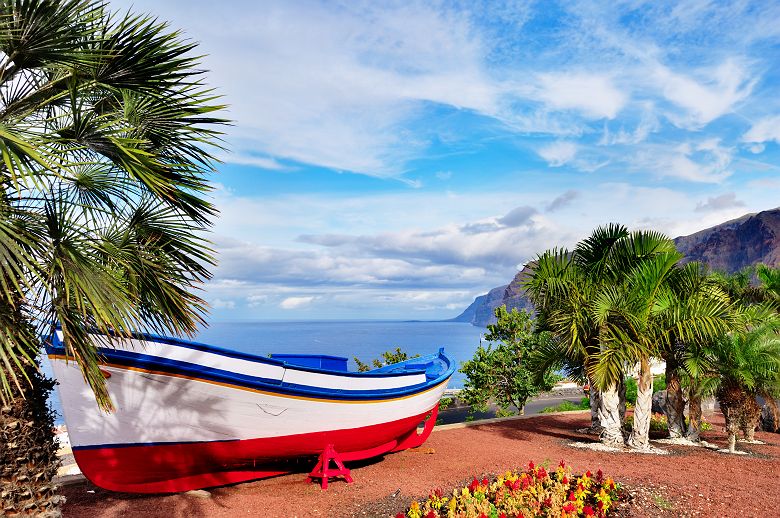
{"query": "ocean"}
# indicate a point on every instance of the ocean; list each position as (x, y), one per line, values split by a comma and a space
(364, 339)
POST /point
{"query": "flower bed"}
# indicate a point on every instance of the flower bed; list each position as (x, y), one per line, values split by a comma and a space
(527, 493)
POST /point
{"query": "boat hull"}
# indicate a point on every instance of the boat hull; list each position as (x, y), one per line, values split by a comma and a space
(177, 427)
(174, 467)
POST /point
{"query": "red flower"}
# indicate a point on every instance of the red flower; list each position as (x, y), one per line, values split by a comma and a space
(599, 475)
(485, 482)
(565, 480)
(548, 502)
(508, 483)
(400, 515)
(570, 507)
(541, 473)
(562, 463)
(526, 483)
(483, 515)
(531, 466)
(502, 515)
(588, 474)
(572, 497)
(588, 511)
(601, 505)
(474, 485)
(430, 514)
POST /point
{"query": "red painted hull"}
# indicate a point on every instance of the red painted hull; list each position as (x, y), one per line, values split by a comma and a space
(170, 468)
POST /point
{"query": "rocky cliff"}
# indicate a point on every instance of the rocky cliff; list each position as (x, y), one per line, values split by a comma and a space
(480, 312)
(730, 246)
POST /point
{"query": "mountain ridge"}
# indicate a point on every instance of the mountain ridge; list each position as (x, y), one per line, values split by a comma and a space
(729, 246)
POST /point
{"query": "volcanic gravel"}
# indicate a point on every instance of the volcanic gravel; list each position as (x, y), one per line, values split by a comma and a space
(687, 482)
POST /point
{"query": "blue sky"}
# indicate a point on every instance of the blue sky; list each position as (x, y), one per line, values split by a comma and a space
(396, 159)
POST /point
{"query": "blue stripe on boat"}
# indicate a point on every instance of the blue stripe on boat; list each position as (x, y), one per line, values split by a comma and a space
(169, 366)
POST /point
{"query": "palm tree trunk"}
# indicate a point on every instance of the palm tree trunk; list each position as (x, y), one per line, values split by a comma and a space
(28, 452)
(594, 395)
(609, 417)
(751, 415)
(622, 398)
(675, 404)
(732, 426)
(694, 416)
(642, 410)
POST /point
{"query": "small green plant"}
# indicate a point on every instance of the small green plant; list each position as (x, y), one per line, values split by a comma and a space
(388, 358)
(504, 412)
(446, 402)
(658, 423)
(662, 503)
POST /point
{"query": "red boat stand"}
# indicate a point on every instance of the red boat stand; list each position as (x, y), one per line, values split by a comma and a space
(323, 471)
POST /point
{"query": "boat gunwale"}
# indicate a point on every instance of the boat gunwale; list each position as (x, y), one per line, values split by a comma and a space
(56, 347)
(131, 360)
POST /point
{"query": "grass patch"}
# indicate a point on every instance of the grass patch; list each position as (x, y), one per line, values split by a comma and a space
(567, 406)
(662, 503)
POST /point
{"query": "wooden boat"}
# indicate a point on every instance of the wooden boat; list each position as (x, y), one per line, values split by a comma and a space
(190, 415)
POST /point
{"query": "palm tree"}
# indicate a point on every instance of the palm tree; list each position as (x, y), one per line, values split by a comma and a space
(642, 314)
(743, 366)
(770, 283)
(690, 286)
(103, 123)
(563, 285)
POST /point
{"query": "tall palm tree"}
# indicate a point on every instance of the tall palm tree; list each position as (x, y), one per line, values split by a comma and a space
(642, 314)
(563, 285)
(690, 286)
(103, 123)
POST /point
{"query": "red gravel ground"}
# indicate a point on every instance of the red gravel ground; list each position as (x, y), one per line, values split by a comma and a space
(688, 482)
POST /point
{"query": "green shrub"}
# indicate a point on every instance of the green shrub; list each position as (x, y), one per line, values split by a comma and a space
(388, 358)
(631, 390)
(659, 383)
(658, 423)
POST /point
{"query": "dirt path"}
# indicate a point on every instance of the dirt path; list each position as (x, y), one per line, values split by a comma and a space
(691, 481)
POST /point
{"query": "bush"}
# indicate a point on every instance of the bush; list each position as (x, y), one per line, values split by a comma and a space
(388, 358)
(529, 493)
(659, 383)
(658, 423)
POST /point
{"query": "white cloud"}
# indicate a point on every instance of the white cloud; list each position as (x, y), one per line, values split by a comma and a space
(295, 302)
(705, 161)
(593, 95)
(223, 304)
(765, 130)
(717, 93)
(558, 153)
(256, 161)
